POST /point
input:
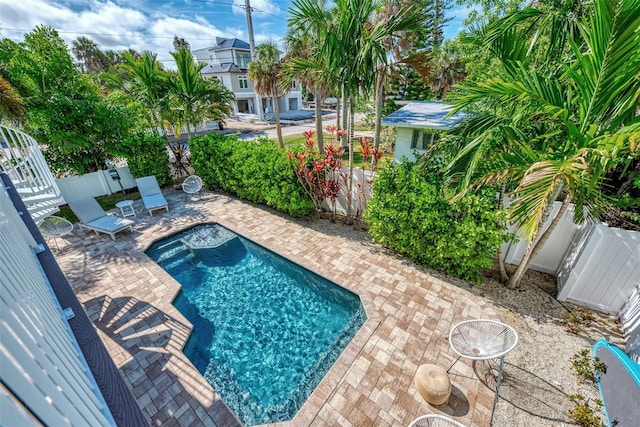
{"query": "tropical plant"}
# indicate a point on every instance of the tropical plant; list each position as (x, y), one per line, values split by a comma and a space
(87, 51)
(266, 73)
(409, 213)
(577, 123)
(319, 174)
(193, 98)
(304, 63)
(142, 77)
(11, 106)
(353, 47)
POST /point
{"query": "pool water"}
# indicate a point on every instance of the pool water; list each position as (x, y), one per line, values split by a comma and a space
(266, 330)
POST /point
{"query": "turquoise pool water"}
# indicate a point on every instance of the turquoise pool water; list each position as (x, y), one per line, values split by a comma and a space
(266, 330)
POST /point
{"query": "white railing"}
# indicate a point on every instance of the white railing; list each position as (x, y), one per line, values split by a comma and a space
(22, 160)
(43, 374)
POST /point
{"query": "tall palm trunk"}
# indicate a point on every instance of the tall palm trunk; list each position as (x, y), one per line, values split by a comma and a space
(379, 94)
(338, 104)
(318, 113)
(345, 108)
(537, 243)
(504, 277)
(349, 219)
(276, 112)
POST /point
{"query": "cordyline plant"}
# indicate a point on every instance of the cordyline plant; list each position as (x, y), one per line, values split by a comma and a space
(370, 158)
(319, 174)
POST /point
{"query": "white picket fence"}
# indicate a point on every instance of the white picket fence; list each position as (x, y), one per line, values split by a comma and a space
(43, 372)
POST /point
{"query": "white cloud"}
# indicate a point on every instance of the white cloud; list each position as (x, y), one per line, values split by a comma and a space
(258, 6)
(134, 24)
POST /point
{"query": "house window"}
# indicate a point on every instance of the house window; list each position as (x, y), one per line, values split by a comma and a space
(422, 139)
(243, 59)
(294, 85)
(243, 82)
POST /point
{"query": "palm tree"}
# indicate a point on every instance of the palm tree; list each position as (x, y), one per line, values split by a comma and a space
(146, 81)
(11, 106)
(87, 50)
(448, 70)
(353, 47)
(578, 123)
(195, 98)
(303, 60)
(266, 73)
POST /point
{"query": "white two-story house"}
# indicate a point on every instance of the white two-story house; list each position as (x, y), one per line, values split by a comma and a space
(228, 61)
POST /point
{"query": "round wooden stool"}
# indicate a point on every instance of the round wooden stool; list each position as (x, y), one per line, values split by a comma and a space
(433, 384)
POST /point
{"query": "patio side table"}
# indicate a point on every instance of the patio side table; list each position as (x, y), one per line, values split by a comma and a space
(126, 207)
(483, 339)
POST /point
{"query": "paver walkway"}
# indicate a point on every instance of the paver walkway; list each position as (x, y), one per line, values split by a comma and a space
(410, 313)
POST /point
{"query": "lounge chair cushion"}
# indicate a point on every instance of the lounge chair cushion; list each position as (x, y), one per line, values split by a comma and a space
(151, 194)
(154, 201)
(110, 223)
(87, 209)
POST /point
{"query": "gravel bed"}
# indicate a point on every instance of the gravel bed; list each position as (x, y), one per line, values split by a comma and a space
(537, 375)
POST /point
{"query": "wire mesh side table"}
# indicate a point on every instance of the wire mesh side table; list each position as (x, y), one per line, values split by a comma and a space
(434, 420)
(483, 340)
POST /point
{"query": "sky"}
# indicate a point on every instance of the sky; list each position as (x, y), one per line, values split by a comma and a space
(151, 24)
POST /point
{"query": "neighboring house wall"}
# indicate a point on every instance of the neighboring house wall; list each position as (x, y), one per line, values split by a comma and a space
(404, 140)
(247, 101)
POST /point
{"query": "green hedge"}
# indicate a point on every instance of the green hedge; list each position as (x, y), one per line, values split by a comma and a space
(146, 155)
(257, 170)
(409, 213)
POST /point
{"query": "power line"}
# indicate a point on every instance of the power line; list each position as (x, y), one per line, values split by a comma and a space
(105, 34)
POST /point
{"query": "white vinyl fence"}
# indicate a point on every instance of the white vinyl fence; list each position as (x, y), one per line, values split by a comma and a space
(550, 257)
(43, 374)
(360, 194)
(95, 184)
(630, 320)
(602, 270)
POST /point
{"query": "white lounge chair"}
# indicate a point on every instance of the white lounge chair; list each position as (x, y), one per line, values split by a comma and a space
(93, 217)
(151, 194)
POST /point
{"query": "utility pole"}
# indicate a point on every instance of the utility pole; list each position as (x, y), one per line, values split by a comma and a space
(252, 44)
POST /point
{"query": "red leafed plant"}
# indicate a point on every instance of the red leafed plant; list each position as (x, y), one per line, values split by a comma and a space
(319, 174)
(370, 157)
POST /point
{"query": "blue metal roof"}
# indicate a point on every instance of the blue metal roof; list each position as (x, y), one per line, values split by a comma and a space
(420, 114)
(231, 43)
(226, 67)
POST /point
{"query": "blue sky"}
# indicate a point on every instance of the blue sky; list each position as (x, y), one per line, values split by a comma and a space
(151, 24)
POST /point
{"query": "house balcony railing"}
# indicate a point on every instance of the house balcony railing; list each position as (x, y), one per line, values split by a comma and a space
(22, 160)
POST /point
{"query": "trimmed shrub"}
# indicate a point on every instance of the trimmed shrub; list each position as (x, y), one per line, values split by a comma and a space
(256, 170)
(409, 213)
(146, 155)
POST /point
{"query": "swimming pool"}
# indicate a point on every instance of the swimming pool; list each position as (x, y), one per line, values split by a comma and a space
(266, 330)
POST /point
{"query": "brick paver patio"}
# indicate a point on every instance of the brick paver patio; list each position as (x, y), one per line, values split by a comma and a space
(410, 313)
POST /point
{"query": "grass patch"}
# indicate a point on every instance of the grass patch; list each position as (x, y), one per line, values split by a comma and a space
(359, 128)
(107, 202)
